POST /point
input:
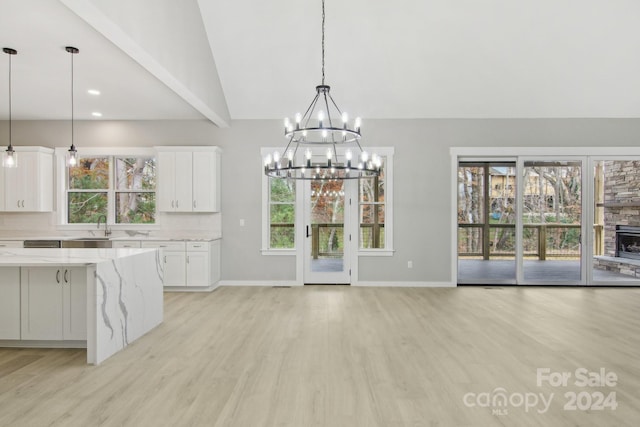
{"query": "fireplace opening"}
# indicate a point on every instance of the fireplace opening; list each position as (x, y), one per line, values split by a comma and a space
(628, 241)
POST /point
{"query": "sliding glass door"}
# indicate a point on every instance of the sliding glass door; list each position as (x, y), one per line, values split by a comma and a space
(486, 222)
(551, 206)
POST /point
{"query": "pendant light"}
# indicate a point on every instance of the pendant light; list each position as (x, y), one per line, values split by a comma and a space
(322, 125)
(10, 159)
(72, 157)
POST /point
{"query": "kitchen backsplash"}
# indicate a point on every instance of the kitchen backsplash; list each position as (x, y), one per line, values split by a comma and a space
(174, 224)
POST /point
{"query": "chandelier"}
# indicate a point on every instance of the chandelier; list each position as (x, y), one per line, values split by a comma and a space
(322, 125)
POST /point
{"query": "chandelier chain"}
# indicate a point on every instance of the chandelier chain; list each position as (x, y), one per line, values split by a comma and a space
(323, 18)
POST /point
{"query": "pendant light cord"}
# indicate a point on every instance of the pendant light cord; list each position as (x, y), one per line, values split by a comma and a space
(72, 144)
(10, 130)
(323, 18)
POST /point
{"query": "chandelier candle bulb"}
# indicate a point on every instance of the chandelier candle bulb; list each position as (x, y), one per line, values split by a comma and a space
(345, 119)
(298, 120)
(320, 119)
(357, 124)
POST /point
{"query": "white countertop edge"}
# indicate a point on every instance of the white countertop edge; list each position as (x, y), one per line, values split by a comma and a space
(19, 257)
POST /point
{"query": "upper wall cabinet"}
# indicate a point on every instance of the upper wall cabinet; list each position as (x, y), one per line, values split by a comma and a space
(188, 179)
(29, 186)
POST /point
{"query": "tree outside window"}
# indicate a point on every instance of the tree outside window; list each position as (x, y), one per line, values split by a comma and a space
(372, 207)
(282, 199)
(130, 195)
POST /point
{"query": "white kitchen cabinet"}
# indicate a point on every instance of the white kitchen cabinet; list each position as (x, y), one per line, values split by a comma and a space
(198, 265)
(173, 258)
(190, 263)
(53, 303)
(188, 179)
(10, 303)
(29, 186)
(206, 177)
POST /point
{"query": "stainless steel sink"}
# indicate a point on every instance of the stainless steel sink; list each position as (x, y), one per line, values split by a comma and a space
(87, 242)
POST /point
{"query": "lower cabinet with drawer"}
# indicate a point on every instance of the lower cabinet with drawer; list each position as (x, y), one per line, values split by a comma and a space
(188, 263)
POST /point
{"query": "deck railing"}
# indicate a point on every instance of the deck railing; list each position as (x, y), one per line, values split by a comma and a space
(375, 233)
(540, 240)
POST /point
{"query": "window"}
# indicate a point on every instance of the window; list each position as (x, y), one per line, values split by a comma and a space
(135, 187)
(120, 188)
(372, 208)
(282, 209)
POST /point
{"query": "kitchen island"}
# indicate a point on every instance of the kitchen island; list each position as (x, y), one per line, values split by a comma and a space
(101, 299)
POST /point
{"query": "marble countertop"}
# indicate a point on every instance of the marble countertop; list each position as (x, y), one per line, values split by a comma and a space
(18, 257)
(118, 238)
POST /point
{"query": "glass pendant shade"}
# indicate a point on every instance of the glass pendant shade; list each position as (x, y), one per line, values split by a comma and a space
(10, 158)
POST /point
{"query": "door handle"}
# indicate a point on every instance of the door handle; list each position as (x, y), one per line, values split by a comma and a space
(18, 203)
(58, 276)
(308, 231)
(194, 204)
(177, 204)
(66, 278)
(172, 203)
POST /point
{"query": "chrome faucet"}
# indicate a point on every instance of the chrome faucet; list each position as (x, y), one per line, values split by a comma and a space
(106, 227)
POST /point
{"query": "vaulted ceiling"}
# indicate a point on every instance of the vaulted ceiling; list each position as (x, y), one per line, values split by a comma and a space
(255, 59)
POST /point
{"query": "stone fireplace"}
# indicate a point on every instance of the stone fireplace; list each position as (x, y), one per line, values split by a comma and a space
(621, 218)
(628, 241)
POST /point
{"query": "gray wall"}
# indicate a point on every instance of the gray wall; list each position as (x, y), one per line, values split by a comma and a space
(422, 220)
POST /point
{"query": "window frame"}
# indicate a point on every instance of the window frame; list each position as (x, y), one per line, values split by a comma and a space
(388, 250)
(112, 153)
(266, 211)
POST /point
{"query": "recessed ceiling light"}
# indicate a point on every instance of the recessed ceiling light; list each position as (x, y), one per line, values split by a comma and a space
(96, 114)
(93, 92)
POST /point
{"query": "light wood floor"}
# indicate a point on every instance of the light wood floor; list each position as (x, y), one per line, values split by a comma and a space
(340, 356)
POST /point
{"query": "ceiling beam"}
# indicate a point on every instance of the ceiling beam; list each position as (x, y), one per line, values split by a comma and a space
(169, 40)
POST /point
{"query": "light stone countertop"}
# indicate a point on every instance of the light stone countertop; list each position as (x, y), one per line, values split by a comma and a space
(18, 257)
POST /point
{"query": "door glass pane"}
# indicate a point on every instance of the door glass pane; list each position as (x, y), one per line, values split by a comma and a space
(327, 226)
(486, 222)
(552, 214)
(616, 228)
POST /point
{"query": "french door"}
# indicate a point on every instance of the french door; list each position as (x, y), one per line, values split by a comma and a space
(327, 231)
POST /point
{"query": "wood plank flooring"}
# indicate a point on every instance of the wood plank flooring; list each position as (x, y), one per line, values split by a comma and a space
(343, 356)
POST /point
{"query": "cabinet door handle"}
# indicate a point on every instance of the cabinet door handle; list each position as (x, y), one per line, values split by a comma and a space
(194, 204)
(66, 278)
(165, 259)
(177, 204)
(23, 203)
(172, 203)
(18, 203)
(58, 276)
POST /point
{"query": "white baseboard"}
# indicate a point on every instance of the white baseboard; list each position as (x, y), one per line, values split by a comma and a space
(191, 289)
(406, 284)
(270, 283)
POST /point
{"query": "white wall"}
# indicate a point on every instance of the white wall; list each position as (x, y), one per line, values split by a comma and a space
(422, 187)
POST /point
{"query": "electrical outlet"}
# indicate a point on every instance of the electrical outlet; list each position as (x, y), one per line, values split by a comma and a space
(410, 264)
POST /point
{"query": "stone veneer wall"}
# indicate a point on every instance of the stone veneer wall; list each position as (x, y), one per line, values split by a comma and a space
(621, 185)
